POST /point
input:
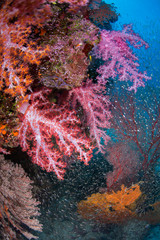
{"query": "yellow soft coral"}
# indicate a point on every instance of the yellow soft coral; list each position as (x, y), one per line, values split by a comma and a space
(110, 207)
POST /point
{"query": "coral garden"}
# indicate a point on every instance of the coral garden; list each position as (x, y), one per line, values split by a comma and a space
(69, 138)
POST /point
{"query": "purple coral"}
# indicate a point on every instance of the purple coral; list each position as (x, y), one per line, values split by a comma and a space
(119, 59)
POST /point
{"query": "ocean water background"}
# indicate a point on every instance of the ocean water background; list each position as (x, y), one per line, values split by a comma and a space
(144, 15)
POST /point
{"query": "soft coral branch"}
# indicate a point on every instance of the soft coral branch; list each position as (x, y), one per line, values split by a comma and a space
(119, 59)
(17, 52)
(54, 131)
(95, 105)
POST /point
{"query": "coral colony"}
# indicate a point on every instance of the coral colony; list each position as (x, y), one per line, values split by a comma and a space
(52, 105)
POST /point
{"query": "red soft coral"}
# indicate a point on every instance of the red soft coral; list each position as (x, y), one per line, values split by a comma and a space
(49, 131)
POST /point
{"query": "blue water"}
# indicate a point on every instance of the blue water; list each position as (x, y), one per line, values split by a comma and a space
(145, 17)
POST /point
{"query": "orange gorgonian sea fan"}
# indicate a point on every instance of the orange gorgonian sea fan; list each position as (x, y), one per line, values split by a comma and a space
(110, 207)
(17, 51)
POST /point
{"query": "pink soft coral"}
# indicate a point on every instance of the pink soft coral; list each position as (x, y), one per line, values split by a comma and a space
(95, 104)
(49, 131)
(119, 59)
(75, 2)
